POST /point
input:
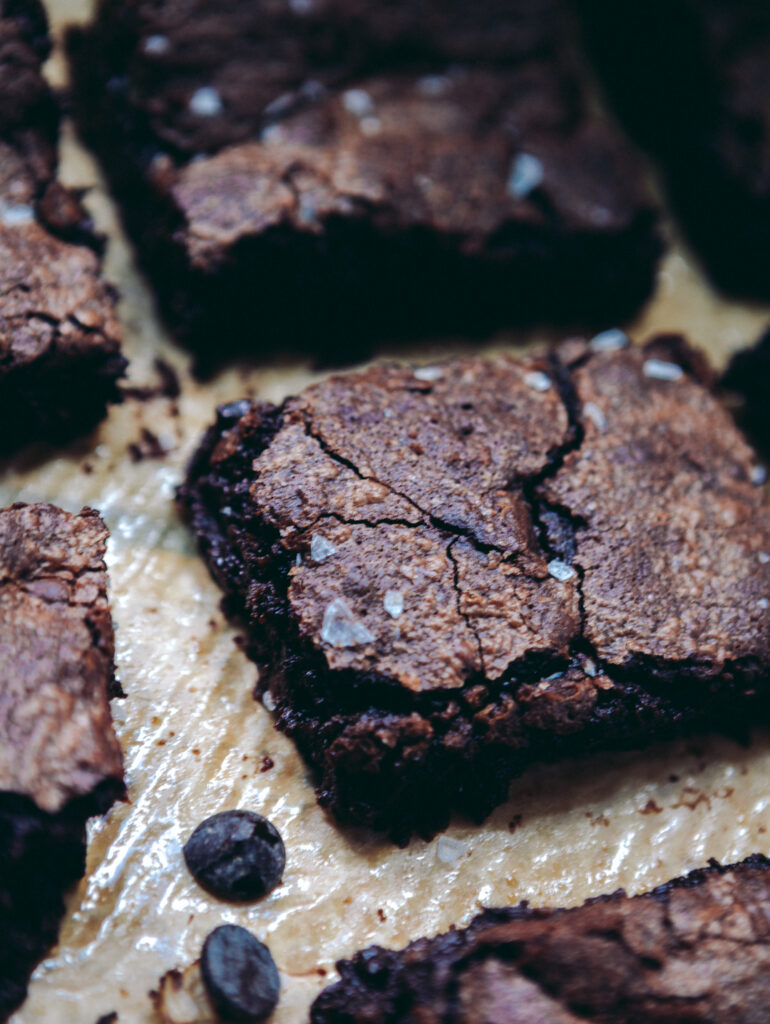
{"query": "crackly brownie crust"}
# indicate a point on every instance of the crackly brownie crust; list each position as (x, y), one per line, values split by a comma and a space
(60, 761)
(449, 572)
(60, 355)
(694, 949)
(474, 196)
(691, 79)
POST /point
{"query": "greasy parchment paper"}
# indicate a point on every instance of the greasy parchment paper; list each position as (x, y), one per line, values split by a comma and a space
(195, 740)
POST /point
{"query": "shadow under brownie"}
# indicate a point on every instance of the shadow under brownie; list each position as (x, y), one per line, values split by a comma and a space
(60, 358)
(60, 761)
(367, 186)
(448, 572)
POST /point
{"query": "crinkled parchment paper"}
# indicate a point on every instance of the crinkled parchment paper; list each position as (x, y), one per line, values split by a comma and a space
(195, 741)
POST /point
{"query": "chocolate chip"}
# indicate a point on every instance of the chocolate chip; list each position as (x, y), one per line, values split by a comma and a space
(236, 855)
(239, 974)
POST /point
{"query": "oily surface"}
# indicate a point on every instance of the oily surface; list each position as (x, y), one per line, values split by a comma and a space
(56, 656)
(191, 731)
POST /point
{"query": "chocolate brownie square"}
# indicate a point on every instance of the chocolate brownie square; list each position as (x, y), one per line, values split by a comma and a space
(448, 572)
(691, 79)
(60, 355)
(371, 186)
(695, 949)
(60, 761)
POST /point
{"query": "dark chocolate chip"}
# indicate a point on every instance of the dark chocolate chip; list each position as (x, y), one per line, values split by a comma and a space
(236, 855)
(239, 974)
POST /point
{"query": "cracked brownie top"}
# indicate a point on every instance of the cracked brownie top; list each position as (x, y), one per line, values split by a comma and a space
(454, 520)
(56, 657)
(449, 571)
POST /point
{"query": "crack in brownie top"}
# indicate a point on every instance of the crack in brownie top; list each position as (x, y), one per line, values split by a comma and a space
(452, 522)
(56, 657)
(52, 298)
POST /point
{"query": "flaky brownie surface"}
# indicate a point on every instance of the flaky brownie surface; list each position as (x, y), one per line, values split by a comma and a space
(695, 949)
(449, 571)
(60, 760)
(59, 335)
(385, 191)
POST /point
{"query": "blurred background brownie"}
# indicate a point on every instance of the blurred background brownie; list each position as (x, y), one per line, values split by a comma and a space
(695, 949)
(747, 383)
(60, 761)
(60, 358)
(448, 572)
(691, 79)
(328, 173)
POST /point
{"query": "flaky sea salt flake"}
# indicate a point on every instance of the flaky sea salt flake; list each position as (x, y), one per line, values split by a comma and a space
(560, 570)
(428, 373)
(358, 102)
(341, 628)
(156, 45)
(537, 380)
(206, 102)
(525, 175)
(14, 215)
(595, 415)
(659, 369)
(321, 548)
(449, 850)
(608, 341)
(393, 602)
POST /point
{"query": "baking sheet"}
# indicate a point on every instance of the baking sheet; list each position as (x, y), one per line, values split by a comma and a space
(195, 741)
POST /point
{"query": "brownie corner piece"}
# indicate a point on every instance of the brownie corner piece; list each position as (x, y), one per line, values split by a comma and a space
(672, 954)
(448, 572)
(60, 760)
(60, 358)
(482, 196)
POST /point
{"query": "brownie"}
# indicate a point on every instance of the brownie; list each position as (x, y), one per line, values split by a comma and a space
(691, 79)
(695, 949)
(59, 337)
(448, 572)
(747, 382)
(60, 761)
(364, 184)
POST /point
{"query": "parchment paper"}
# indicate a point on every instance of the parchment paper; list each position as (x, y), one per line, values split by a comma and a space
(194, 739)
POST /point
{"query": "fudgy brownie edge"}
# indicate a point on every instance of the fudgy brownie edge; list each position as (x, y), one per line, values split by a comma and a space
(694, 949)
(60, 761)
(60, 358)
